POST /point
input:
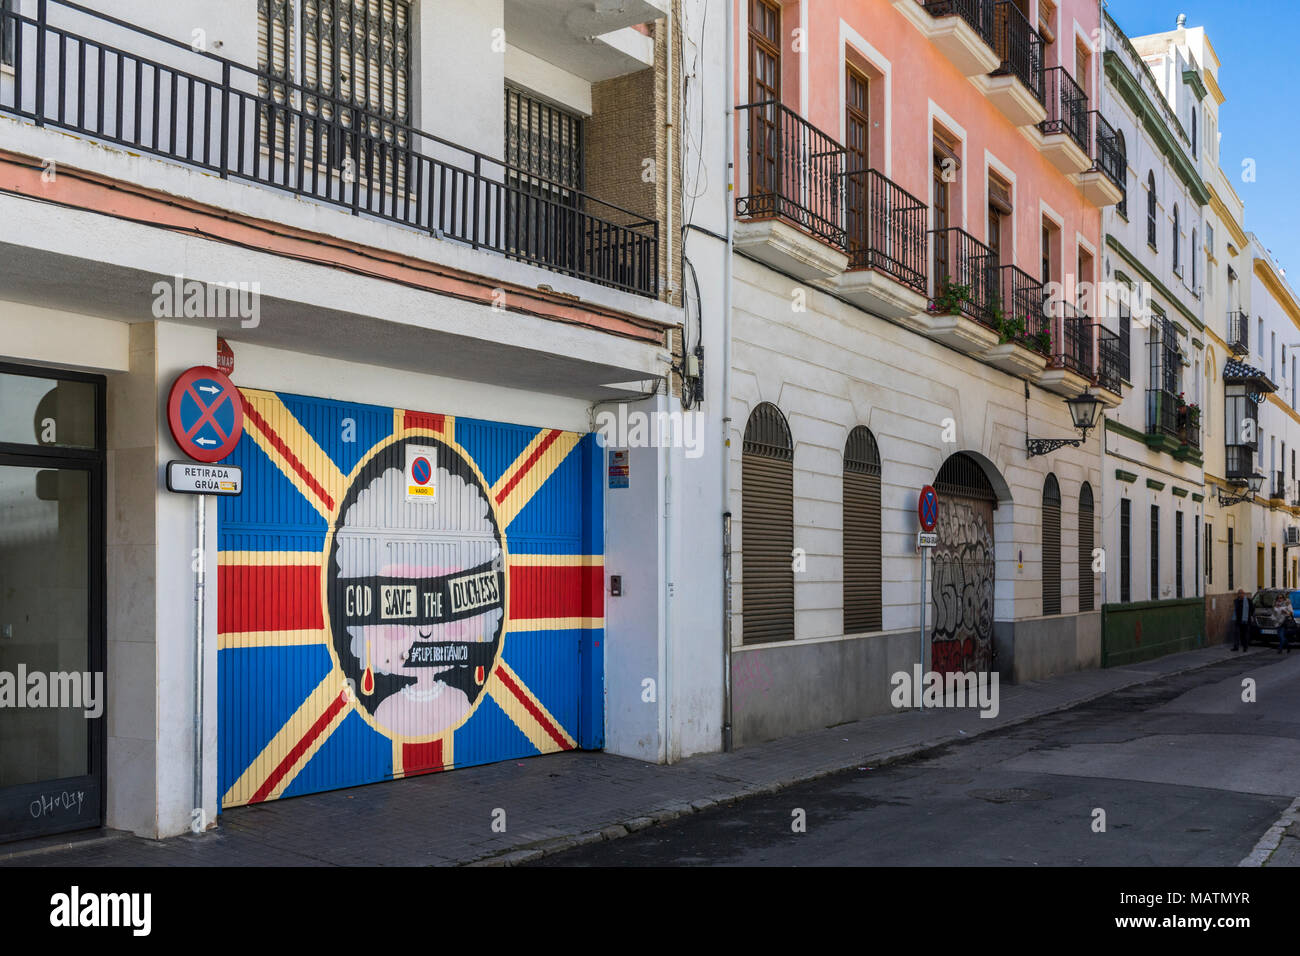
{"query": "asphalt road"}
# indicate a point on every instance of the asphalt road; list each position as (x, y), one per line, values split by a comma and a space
(1186, 772)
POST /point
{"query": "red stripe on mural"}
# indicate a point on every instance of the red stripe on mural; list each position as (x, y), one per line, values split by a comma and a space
(533, 709)
(518, 476)
(300, 748)
(278, 444)
(280, 597)
(424, 420)
(421, 758)
(565, 590)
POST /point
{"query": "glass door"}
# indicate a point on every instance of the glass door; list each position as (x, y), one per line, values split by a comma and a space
(52, 568)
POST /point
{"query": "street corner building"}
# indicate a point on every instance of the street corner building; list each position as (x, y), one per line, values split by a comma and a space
(428, 241)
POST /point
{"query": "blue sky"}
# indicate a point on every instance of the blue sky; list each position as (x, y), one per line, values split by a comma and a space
(1259, 76)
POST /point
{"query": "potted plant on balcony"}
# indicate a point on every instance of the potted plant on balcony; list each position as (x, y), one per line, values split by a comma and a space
(950, 299)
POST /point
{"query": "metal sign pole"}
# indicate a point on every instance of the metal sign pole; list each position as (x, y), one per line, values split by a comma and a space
(197, 822)
(921, 644)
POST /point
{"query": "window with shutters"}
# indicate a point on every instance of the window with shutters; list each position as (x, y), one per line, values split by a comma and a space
(1125, 551)
(767, 528)
(1121, 207)
(1209, 553)
(862, 561)
(336, 78)
(1196, 554)
(1155, 553)
(1178, 554)
(1051, 546)
(1151, 209)
(1086, 528)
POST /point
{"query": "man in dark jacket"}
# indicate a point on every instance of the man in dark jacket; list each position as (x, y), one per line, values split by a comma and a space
(1241, 621)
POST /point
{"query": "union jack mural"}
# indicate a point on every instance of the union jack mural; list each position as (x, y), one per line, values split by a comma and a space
(401, 593)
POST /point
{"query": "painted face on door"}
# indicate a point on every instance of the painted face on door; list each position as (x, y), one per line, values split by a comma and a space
(416, 593)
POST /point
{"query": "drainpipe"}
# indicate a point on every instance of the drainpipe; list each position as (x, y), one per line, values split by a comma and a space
(668, 601)
(728, 199)
(669, 89)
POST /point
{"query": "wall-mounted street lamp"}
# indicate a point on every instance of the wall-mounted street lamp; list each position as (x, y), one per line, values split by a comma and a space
(1248, 488)
(1085, 410)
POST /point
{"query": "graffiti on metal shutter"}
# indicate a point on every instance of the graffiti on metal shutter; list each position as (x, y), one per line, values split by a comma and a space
(367, 632)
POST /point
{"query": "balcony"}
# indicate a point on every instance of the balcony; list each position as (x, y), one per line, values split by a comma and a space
(1189, 431)
(792, 207)
(592, 40)
(1110, 367)
(1025, 340)
(1072, 369)
(1016, 86)
(1239, 462)
(963, 281)
(1104, 184)
(1162, 419)
(1239, 333)
(1277, 493)
(962, 29)
(227, 119)
(1063, 136)
(887, 245)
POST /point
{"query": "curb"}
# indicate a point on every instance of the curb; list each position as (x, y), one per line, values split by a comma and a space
(673, 811)
(1272, 838)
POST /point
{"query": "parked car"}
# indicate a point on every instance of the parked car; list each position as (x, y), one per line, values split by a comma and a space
(1272, 610)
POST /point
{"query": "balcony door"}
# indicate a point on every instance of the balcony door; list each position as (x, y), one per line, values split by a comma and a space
(764, 87)
(944, 173)
(857, 137)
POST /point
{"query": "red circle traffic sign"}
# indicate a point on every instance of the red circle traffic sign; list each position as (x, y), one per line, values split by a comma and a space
(205, 413)
(927, 508)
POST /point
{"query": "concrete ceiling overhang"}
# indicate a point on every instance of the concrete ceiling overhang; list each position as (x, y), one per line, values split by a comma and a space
(106, 290)
(576, 34)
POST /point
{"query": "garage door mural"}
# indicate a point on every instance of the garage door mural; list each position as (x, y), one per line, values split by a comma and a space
(400, 593)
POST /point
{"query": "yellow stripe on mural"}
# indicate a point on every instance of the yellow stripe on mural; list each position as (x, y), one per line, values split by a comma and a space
(530, 471)
(533, 720)
(295, 453)
(239, 640)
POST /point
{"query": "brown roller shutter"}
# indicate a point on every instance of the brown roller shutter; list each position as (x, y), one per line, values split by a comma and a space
(767, 529)
(862, 561)
(1051, 546)
(1086, 600)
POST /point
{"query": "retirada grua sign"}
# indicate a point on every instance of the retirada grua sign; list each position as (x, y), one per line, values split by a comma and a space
(193, 478)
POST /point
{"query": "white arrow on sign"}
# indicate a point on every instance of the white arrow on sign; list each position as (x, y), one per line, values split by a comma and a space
(204, 441)
(210, 388)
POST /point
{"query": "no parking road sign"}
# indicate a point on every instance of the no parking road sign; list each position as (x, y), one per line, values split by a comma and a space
(205, 413)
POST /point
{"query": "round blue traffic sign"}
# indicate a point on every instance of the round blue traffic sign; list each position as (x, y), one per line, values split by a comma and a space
(205, 413)
(927, 508)
(421, 471)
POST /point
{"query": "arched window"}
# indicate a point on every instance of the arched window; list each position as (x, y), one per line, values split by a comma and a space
(1178, 265)
(1151, 208)
(1051, 546)
(767, 528)
(1122, 206)
(1086, 525)
(862, 566)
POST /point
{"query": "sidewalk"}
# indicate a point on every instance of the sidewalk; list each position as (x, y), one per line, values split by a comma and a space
(557, 802)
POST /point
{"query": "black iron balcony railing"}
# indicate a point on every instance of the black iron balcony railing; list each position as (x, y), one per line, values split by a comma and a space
(886, 228)
(1107, 153)
(1189, 425)
(1019, 45)
(965, 275)
(1019, 299)
(977, 13)
(1162, 412)
(1239, 333)
(212, 113)
(1110, 361)
(1067, 107)
(1239, 462)
(796, 172)
(1278, 491)
(1074, 333)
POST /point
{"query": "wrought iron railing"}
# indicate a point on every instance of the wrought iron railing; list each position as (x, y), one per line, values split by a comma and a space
(1019, 297)
(1107, 153)
(1111, 364)
(977, 13)
(886, 228)
(1067, 107)
(1074, 333)
(796, 172)
(965, 275)
(1239, 332)
(234, 121)
(1239, 461)
(1162, 412)
(1019, 45)
(1278, 490)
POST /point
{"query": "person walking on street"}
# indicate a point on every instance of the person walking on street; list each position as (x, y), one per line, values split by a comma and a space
(1241, 621)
